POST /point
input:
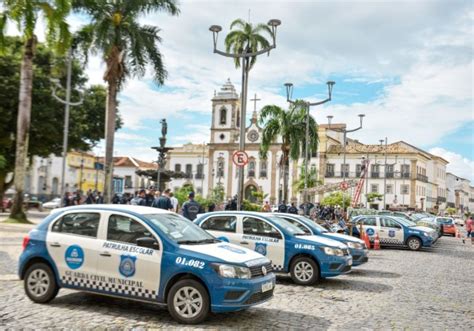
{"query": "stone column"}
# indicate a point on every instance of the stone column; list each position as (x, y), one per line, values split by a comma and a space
(230, 175)
(210, 178)
(413, 183)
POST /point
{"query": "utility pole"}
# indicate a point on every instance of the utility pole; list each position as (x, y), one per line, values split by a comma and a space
(246, 54)
(67, 104)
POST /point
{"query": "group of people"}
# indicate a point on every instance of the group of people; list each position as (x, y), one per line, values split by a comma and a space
(76, 198)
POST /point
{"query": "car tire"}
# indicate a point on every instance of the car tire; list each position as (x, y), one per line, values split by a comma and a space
(414, 243)
(192, 297)
(40, 283)
(304, 271)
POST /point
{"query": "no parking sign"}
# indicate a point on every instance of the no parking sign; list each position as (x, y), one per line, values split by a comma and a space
(240, 158)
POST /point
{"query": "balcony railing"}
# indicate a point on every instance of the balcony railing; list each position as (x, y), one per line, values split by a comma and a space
(199, 176)
(441, 199)
(422, 178)
(357, 174)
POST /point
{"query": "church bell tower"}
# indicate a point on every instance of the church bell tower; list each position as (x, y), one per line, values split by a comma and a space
(225, 115)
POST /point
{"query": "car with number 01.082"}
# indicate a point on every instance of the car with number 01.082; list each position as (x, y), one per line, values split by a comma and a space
(306, 257)
(146, 254)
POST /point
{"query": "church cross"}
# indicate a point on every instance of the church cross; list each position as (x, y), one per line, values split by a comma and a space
(255, 102)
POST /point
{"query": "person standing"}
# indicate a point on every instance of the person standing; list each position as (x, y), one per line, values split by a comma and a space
(141, 198)
(174, 202)
(99, 199)
(469, 228)
(282, 208)
(163, 202)
(293, 209)
(191, 208)
(266, 207)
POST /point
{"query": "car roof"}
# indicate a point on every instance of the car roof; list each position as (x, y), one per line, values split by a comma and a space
(124, 208)
(234, 212)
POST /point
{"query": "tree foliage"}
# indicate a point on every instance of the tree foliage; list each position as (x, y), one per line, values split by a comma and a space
(247, 37)
(372, 196)
(47, 115)
(312, 178)
(337, 198)
(290, 126)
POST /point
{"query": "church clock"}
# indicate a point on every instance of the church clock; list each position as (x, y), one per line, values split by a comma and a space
(253, 136)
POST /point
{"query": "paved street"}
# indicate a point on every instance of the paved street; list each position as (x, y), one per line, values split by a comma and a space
(397, 289)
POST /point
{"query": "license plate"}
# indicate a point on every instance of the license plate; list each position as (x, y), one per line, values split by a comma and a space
(267, 286)
(350, 261)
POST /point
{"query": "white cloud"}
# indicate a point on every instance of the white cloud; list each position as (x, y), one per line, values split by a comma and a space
(458, 165)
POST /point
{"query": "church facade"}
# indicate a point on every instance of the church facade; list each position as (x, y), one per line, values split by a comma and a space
(409, 178)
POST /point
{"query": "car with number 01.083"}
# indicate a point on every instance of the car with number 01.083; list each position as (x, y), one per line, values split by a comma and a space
(306, 257)
(356, 246)
(145, 254)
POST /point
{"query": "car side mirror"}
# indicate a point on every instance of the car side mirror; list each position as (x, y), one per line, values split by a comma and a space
(147, 242)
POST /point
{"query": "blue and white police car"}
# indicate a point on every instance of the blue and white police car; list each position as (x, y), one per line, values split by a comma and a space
(356, 246)
(394, 231)
(307, 258)
(146, 254)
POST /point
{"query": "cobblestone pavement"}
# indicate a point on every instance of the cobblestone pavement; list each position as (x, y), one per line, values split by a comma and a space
(397, 289)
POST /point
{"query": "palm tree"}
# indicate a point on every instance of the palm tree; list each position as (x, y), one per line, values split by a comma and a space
(127, 48)
(248, 38)
(290, 127)
(25, 14)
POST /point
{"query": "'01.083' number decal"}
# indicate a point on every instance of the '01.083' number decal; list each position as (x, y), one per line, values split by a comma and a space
(190, 263)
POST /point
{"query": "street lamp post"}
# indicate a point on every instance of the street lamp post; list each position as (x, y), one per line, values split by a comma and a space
(344, 132)
(245, 56)
(67, 104)
(289, 95)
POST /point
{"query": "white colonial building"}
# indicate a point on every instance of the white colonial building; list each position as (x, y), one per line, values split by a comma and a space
(413, 178)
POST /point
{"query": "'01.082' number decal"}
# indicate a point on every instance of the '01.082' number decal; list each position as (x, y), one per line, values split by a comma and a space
(190, 263)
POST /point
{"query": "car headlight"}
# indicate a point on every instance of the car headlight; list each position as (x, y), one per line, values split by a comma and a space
(354, 245)
(332, 251)
(231, 271)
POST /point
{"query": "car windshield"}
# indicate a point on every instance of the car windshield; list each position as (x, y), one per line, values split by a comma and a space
(180, 229)
(314, 224)
(405, 222)
(293, 229)
(445, 220)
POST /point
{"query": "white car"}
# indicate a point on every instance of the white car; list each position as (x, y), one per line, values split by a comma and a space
(55, 203)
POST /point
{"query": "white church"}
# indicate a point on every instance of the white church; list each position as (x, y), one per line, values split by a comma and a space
(413, 178)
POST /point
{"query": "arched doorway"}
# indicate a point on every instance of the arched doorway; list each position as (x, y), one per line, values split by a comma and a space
(248, 193)
(54, 188)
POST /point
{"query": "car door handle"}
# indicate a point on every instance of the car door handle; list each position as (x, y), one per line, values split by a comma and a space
(106, 254)
(244, 243)
(382, 230)
(55, 244)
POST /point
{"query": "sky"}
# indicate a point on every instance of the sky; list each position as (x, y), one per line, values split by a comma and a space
(406, 65)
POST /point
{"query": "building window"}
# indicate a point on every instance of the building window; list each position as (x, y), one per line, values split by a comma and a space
(405, 170)
(389, 171)
(404, 189)
(220, 167)
(200, 171)
(389, 189)
(344, 170)
(329, 170)
(374, 188)
(375, 171)
(189, 171)
(177, 167)
(223, 116)
(263, 169)
(128, 182)
(358, 170)
(251, 168)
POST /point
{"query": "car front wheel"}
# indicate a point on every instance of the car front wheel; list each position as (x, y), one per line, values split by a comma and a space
(414, 243)
(188, 302)
(40, 283)
(304, 271)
